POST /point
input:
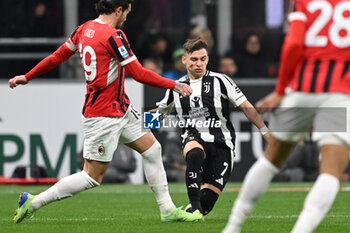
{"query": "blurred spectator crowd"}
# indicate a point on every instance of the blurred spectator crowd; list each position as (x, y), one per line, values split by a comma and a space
(155, 31)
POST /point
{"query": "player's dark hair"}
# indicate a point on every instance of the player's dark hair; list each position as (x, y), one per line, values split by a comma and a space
(108, 6)
(195, 44)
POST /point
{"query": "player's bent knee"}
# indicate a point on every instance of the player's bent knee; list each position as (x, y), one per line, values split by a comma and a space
(208, 200)
(191, 145)
(194, 155)
(154, 151)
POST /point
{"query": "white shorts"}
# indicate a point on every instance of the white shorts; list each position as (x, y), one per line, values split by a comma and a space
(102, 134)
(325, 114)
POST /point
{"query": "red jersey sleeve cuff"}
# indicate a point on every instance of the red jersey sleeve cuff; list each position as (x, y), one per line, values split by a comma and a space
(27, 76)
(280, 90)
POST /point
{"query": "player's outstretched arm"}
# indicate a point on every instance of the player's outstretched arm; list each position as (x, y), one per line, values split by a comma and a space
(47, 64)
(254, 117)
(18, 80)
(150, 78)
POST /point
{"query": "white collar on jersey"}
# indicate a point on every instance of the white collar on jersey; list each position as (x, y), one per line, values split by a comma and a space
(99, 21)
(188, 80)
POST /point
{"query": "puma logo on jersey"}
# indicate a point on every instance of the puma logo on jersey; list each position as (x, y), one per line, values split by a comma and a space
(220, 181)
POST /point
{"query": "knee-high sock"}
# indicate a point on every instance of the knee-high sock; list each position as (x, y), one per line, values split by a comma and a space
(194, 161)
(208, 199)
(317, 203)
(156, 177)
(66, 187)
(255, 184)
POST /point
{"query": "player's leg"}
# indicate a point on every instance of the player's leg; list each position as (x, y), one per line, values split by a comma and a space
(209, 196)
(256, 182)
(146, 144)
(217, 169)
(332, 133)
(194, 155)
(90, 177)
(334, 159)
(151, 151)
(288, 123)
(66, 187)
(97, 155)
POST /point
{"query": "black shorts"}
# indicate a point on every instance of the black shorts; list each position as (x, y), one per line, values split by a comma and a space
(218, 163)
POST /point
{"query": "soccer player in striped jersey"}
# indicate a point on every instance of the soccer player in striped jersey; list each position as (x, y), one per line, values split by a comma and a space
(208, 134)
(315, 65)
(108, 116)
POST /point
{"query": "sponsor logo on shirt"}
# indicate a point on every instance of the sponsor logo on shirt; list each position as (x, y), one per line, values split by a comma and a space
(195, 102)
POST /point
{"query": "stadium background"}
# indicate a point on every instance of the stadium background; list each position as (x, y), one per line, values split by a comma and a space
(41, 123)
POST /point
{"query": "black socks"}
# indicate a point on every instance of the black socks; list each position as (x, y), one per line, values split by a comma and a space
(194, 159)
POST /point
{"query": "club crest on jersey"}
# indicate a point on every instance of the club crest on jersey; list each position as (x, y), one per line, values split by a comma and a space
(123, 51)
(206, 87)
(101, 150)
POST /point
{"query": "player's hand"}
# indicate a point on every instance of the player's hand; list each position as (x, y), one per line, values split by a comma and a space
(18, 80)
(269, 102)
(183, 89)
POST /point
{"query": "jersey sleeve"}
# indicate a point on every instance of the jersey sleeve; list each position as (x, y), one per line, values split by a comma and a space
(234, 94)
(50, 62)
(73, 40)
(64, 52)
(297, 11)
(292, 48)
(119, 46)
(167, 106)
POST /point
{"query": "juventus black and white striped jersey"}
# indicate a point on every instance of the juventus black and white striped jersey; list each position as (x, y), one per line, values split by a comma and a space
(206, 111)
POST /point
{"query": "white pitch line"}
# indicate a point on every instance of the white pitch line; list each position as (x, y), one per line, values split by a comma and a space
(293, 216)
(114, 219)
(64, 219)
(227, 189)
(285, 189)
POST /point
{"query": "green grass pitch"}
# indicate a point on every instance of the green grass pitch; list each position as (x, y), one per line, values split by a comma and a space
(132, 208)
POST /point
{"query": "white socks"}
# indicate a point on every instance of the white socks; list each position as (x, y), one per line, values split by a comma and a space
(154, 172)
(317, 203)
(156, 178)
(66, 187)
(255, 184)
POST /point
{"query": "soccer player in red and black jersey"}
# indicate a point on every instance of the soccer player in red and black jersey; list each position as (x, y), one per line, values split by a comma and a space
(108, 116)
(313, 85)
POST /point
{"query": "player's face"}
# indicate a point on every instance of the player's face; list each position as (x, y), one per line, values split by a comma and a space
(123, 16)
(196, 63)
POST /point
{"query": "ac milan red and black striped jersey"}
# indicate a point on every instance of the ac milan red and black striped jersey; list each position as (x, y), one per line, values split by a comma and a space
(104, 51)
(322, 65)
